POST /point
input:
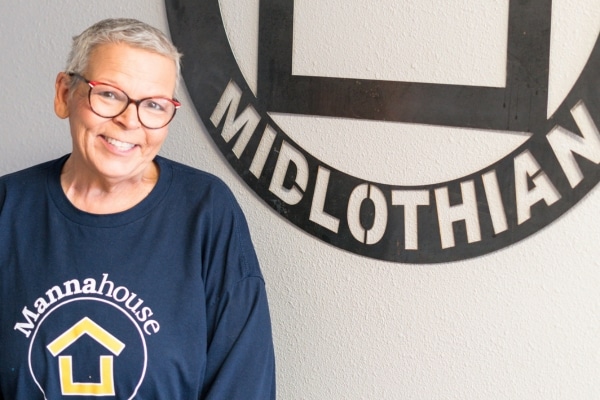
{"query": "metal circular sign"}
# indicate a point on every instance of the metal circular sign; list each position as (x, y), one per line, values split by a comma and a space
(482, 211)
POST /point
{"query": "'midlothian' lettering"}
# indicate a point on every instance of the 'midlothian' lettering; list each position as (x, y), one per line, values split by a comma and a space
(376, 219)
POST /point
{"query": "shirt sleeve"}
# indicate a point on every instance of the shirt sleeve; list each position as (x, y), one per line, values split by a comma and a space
(240, 356)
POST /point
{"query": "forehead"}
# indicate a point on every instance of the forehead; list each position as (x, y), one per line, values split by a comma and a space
(132, 68)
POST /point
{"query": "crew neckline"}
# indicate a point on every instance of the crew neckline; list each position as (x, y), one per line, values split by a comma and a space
(134, 213)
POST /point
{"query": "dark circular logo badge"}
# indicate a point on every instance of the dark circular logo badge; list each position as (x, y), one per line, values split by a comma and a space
(73, 354)
(482, 211)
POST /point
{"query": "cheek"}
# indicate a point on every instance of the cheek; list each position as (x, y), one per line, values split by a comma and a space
(80, 118)
(155, 139)
(81, 129)
(85, 131)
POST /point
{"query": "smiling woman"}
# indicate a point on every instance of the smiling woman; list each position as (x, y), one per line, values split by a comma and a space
(111, 168)
(166, 233)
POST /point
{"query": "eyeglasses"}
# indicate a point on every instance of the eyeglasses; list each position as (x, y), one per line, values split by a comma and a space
(108, 101)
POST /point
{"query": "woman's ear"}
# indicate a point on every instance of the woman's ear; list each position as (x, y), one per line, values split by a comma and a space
(62, 88)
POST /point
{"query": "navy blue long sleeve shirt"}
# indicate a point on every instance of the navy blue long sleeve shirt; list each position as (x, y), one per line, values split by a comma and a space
(163, 301)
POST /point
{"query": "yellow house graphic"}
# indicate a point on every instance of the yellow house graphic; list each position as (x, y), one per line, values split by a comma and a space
(86, 326)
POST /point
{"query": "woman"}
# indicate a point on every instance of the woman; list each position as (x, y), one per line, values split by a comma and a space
(122, 273)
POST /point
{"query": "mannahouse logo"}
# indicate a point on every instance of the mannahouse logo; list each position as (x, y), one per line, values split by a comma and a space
(472, 215)
(85, 336)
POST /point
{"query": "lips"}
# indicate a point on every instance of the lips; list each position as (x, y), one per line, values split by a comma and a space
(122, 146)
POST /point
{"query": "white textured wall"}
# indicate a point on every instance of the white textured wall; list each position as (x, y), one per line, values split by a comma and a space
(520, 323)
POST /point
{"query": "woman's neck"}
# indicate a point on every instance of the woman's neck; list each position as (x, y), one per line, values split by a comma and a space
(99, 195)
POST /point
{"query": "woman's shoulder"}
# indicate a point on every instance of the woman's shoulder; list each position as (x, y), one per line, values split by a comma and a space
(38, 172)
(194, 181)
(25, 189)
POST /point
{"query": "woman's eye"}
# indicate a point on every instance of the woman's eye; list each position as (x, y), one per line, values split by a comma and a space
(107, 94)
(154, 106)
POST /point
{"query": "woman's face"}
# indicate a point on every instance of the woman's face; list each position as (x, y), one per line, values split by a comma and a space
(119, 148)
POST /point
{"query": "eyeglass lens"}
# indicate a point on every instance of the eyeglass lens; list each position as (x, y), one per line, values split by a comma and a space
(108, 102)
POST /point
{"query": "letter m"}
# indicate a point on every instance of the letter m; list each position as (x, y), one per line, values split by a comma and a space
(247, 121)
(26, 327)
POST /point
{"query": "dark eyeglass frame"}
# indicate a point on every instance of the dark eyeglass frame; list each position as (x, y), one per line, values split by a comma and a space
(137, 103)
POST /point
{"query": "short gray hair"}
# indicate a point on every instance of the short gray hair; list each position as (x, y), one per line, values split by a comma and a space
(127, 31)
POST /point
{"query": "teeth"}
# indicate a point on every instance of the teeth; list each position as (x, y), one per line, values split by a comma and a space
(119, 145)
